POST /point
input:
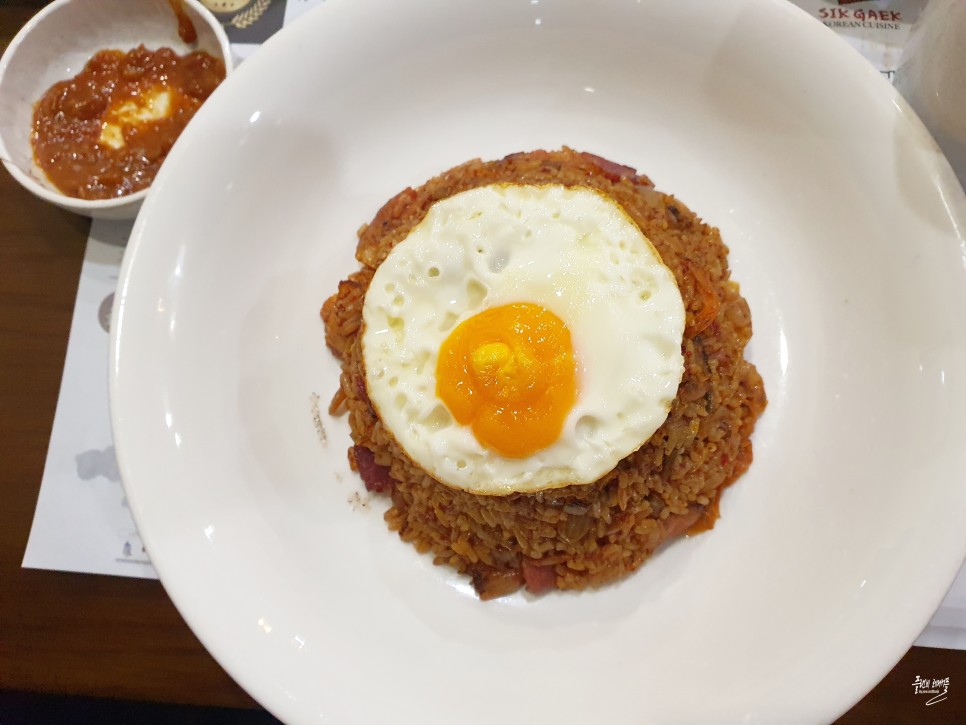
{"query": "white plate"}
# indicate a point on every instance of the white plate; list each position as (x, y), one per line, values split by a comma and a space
(832, 552)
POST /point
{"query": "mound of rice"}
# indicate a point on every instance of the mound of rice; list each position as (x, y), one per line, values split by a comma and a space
(583, 535)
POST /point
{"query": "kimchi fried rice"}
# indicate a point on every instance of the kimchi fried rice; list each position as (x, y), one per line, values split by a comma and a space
(585, 535)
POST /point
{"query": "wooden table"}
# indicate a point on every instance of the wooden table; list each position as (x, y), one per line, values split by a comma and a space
(122, 638)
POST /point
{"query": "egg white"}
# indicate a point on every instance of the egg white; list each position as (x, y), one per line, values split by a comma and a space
(150, 105)
(575, 252)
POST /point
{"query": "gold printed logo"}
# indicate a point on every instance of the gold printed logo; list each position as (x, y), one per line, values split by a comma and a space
(245, 13)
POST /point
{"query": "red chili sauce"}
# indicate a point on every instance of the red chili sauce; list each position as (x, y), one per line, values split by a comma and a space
(105, 132)
(186, 29)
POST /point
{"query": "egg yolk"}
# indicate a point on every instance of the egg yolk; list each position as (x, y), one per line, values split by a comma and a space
(508, 372)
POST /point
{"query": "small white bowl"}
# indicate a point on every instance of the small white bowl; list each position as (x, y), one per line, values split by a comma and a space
(54, 45)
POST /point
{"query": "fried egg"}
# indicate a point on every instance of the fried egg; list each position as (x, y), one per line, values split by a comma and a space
(522, 338)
